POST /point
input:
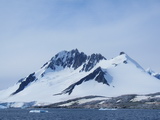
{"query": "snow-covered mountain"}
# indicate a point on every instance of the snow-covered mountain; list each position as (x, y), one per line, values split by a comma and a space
(73, 74)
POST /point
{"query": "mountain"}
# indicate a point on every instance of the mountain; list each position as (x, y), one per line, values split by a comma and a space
(73, 74)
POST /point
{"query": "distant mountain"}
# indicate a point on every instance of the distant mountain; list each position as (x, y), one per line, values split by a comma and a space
(73, 74)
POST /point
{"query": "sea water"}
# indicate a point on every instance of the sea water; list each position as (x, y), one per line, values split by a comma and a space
(80, 114)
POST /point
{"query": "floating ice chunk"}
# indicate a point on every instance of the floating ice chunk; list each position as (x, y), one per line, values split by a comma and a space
(2, 107)
(107, 109)
(38, 111)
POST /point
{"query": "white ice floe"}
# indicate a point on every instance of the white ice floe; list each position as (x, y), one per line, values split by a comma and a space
(107, 109)
(38, 111)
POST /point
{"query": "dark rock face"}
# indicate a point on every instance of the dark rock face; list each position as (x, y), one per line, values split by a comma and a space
(72, 59)
(75, 59)
(92, 61)
(121, 53)
(44, 64)
(157, 76)
(97, 74)
(79, 59)
(100, 78)
(154, 74)
(21, 80)
(24, 83)
(125, 62)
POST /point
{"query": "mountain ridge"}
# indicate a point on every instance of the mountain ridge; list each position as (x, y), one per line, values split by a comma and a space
(63, 59)
(72, 74)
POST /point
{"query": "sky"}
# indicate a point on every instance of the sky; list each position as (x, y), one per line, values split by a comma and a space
(33, 31)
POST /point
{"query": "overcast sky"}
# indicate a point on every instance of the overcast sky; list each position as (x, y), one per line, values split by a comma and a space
(33, 31)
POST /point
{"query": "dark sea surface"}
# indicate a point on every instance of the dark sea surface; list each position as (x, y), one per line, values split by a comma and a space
(80, 114)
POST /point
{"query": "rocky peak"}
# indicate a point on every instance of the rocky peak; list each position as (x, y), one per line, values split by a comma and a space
(122, 53)
(92, 61)
(74, 59)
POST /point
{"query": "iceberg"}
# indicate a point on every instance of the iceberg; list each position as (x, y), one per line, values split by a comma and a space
(2, 107)
(38, 111)
(107, 109)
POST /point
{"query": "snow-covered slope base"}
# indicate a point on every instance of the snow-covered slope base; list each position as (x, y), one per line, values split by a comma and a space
(73, 74)
(130, 101)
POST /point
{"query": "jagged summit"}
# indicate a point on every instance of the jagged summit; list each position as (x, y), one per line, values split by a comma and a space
(69, 59)
(74, 59)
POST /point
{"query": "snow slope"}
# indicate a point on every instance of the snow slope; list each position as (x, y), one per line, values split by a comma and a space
(72, 74)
